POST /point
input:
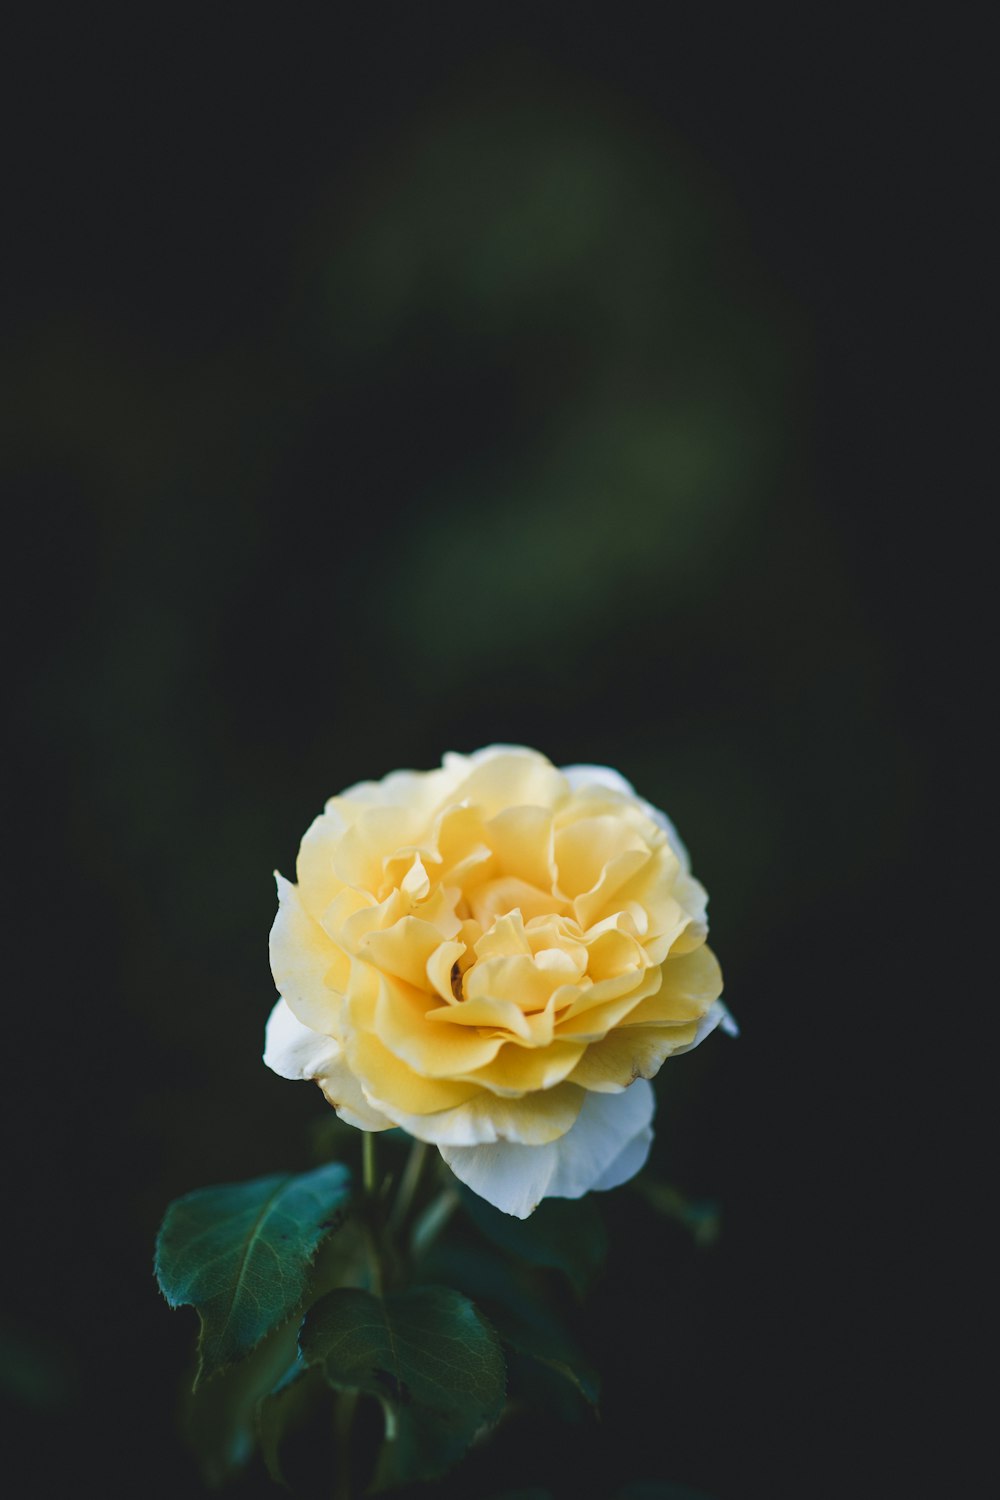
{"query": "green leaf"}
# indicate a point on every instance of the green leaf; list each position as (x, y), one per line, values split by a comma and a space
(219, 1419)
(427, 1355)
(240, 1254)
(530, 1331)
(537, 1387)
(565, 1234)
(343, 1259)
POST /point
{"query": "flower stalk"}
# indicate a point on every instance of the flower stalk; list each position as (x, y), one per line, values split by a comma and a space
(368, 1179)
(408, 1184)
(343, 1424)
(432, 1221)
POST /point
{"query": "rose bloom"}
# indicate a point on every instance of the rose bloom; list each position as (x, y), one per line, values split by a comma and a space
(496, 956)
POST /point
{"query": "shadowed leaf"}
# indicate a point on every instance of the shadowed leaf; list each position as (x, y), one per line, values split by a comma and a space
(516, 1304)
(427, 1355)
(284, 1408)
(219, 1419)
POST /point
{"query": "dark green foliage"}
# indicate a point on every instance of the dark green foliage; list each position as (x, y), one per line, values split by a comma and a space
(565, 1234)
(297, 1323)
(240, 1254)
(427, 1355)
(700, 1218)
(521, 1307)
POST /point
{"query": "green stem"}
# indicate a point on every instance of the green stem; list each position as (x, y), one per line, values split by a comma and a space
(374, 1260)
(343, 1421)
(408, 1185)
(432, 1221)
(370, 1215)
(368, 1163)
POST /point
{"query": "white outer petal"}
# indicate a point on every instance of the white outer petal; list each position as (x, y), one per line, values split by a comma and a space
(485, 1119)
(513, 1178)
(301, 954)
(581, 776)
(625, 1166)
(490, 752)
(727, 1021)
(295, 1051)
(606, 1146)
(606, 1127)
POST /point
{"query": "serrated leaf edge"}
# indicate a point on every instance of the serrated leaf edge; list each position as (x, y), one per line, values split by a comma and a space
(297, 1312)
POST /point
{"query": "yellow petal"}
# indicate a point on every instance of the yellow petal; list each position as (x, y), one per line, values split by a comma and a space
(308, 968)
(342, 1089)
(521, 1070)
(419, 790)
(534, 1120)
(505, 938)
(696, 975)
(355, 921)
(402, 1025)
(615, 952)
(441, 966)
(318, 881)
(494, 1015)
(521, 840)
(653, 889)
(416, 882)
(634, 1052)
(403, 949)
(634, 983)
(590, 1022)
(439, 909)
(495, 898)
(379, 832)
(395, 1088)
(617, 873)
(691, 981)
(509, 778)
(585, 849)
(345, 905)
(459, 837)
(517, 978)
(542, 1023)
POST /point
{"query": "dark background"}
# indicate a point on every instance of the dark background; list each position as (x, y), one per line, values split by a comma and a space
(379, 385)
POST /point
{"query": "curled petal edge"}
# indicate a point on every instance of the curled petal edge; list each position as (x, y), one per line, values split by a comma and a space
(716, 1015)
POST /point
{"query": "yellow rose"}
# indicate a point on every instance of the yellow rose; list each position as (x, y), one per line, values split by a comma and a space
(496, 956)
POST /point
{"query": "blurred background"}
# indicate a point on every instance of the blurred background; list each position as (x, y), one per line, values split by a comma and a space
(379, 384)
